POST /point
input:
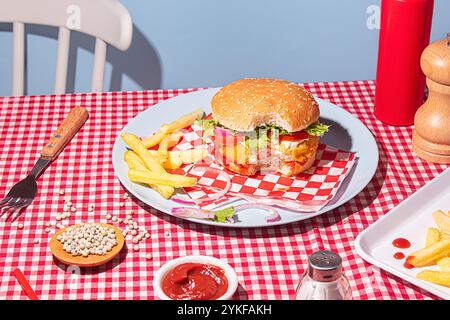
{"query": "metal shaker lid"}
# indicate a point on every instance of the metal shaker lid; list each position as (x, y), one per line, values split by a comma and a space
(325, 266)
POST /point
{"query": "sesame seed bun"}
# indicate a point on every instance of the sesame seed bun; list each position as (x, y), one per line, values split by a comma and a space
(248, 103)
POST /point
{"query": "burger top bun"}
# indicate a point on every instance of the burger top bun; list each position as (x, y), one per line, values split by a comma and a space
(248, 103)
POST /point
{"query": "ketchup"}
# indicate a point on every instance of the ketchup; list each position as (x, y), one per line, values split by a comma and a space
(401, 243)
(399, 255)
(408, 265)
(195, 281)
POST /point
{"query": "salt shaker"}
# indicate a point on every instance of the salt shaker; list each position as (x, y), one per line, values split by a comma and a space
(324, 279)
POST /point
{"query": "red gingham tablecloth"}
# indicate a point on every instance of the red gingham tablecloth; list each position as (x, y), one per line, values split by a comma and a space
(269, 261)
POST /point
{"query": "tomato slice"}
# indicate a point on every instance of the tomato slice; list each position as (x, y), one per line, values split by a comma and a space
(296, 136)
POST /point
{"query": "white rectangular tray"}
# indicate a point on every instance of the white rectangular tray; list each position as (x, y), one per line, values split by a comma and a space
(410, 220)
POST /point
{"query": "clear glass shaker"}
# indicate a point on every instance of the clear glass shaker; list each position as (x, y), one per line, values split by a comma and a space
(324, 279)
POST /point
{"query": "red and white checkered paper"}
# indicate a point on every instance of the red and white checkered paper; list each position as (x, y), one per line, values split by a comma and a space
(307, 192)
(268, 261)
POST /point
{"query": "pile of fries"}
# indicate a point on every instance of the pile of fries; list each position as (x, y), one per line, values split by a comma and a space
(436, 252)
(149, 166)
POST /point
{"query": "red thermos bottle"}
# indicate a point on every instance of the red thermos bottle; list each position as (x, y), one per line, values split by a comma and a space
(404, 34)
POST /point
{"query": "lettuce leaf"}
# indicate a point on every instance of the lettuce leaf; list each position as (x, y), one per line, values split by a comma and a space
(208, 126)
(317, 129)
(274, 127)
(223, 214)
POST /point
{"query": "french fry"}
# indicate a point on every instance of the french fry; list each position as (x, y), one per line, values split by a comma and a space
(444, 264)
(166, 143)
(152, 164)
(193, 155)
(185, 156)
(173, 160)
(442, 220)
(429, 255)
(445, 235)
(157, 137)
(439, 277)
(134, 162)
(138, 147)
(433, 236)
(186, 120)
(158, 178)
(181, 123)
(172, 163)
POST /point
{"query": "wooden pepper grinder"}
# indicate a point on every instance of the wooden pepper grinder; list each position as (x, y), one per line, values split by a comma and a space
(431, 136)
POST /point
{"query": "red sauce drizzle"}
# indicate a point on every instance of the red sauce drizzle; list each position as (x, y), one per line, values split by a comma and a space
(401, 243)
(399, 255)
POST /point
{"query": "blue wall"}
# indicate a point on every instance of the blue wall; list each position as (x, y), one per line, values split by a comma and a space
(200, 43)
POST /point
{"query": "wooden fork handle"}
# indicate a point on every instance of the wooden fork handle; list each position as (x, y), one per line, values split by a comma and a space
(65, 132)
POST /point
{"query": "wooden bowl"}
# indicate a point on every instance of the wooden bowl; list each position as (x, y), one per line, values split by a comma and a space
(92, 260)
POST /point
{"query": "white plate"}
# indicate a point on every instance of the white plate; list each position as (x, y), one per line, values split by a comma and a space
(347, 133)
(410, 220)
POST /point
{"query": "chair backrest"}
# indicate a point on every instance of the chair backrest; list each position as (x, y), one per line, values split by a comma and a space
(106, 20)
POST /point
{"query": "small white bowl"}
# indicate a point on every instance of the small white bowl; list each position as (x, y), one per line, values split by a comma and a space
(230, 274)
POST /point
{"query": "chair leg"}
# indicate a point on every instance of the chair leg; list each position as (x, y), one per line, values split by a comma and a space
(99, 66)
(18, 58)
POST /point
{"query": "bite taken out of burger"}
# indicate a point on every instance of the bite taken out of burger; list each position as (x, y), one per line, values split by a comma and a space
(264, 125)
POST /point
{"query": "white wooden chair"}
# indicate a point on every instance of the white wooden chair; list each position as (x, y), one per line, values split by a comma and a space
(106, 20)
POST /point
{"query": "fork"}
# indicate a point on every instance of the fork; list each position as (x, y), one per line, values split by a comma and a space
(23, 192)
